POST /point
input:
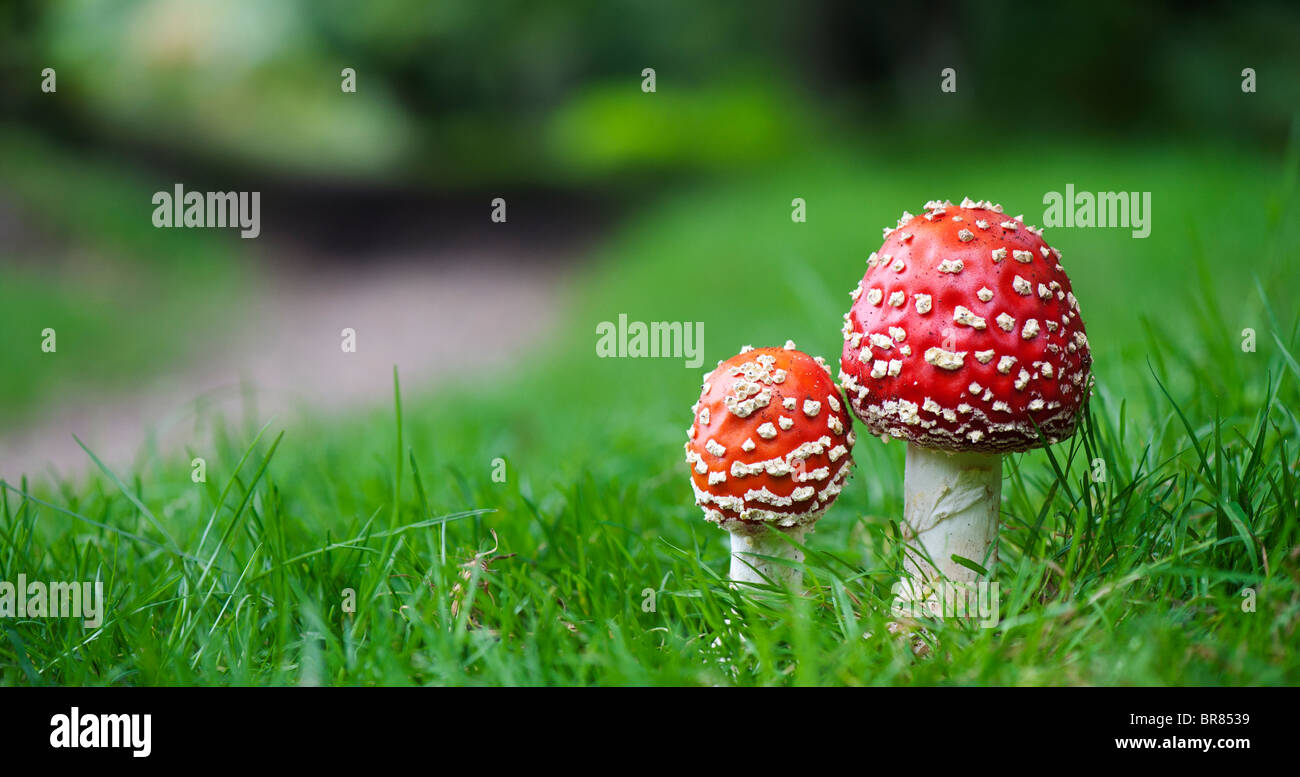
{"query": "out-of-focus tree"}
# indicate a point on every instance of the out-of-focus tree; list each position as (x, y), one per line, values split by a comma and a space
(473, 91)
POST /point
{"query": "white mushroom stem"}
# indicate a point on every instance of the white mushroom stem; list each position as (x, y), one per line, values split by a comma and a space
(950, 508)
(747, 567)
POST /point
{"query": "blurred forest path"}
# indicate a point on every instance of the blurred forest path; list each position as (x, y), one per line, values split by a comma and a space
(436, 318)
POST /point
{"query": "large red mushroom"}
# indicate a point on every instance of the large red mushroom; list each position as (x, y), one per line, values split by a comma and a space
(964, 340)
(769, 450)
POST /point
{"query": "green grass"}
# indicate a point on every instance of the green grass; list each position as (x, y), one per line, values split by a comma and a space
(1136, 579)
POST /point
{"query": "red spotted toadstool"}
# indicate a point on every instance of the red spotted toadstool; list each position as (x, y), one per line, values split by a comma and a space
(770, 446)
(965, 340)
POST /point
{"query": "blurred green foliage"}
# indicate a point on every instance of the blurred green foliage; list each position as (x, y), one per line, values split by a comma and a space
(609, 130)
(464, 93)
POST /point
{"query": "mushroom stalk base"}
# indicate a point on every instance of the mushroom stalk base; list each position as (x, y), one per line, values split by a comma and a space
(748, 568)
(951, 503)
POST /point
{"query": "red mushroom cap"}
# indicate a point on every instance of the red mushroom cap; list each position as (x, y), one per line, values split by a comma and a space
(963, 329)
(771, 442)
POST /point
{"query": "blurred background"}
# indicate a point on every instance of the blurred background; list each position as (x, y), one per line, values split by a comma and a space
(376, 204)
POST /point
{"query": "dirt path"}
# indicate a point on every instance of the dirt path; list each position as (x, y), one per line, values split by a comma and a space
(433, 319)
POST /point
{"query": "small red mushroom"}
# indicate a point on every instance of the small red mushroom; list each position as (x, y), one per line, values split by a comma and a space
(771, 446)
(965, 340)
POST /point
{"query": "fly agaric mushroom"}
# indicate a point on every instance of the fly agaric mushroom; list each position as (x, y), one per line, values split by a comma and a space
(770, 447)
(965, 340)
